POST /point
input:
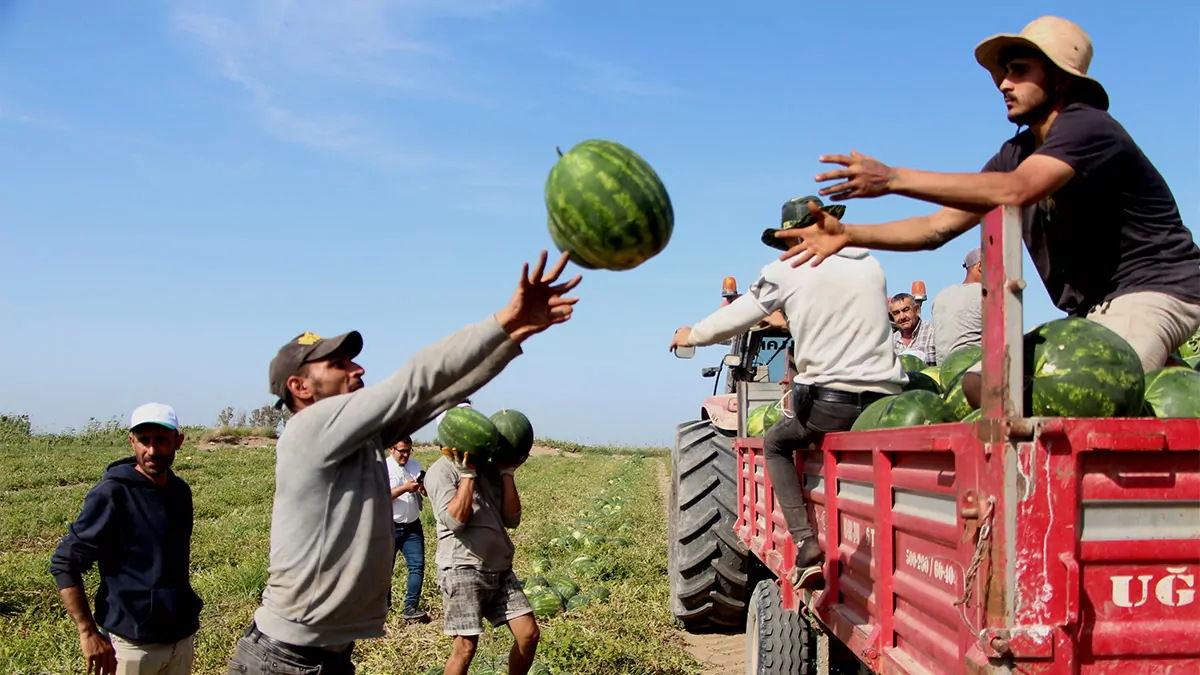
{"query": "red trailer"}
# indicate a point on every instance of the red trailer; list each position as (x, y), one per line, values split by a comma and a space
(1009, 545)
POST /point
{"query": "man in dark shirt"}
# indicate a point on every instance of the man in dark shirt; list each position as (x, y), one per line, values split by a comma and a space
(136, 526)
(1100, 223)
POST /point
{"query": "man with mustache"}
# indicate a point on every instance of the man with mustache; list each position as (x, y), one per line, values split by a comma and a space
(332, 538)
(1100, 222)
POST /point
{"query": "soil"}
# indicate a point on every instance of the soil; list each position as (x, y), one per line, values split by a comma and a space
(238, 441)
(717, 654)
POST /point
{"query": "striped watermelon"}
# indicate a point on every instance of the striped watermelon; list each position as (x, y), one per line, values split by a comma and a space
(934, 373)
(761, 419)
(869, 418)
(957, 363)
(912, 362)
(1075, 367)
(1173, 392)
(546, 604)
(470, 431)
(607, 207)
(910, 409)
(919, 380)
(516, 437)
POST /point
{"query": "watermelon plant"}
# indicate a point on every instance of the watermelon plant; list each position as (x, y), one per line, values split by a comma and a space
(606, 206)
(470, 431)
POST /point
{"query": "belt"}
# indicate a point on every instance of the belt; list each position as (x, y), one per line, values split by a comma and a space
(860, 398)
(316, 654)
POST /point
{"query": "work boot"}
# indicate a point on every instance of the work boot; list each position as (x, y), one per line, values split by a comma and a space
(810, 572)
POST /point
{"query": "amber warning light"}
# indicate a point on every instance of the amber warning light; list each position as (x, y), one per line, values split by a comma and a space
(729, 287)
(918, 291)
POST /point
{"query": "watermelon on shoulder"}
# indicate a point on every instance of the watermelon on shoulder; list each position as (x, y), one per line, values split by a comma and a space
(1172, 392)
(470, 431)
(515, 438)
(606, 206)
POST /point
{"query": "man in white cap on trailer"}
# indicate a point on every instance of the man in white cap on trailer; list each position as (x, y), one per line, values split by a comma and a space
(136, 526)
(958, 310)
(1099, 221)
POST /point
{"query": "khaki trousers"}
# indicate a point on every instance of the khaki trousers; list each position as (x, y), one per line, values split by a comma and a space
(146, 658)
(1154, 324)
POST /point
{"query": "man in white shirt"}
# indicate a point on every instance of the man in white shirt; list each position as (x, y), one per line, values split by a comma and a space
(958, 310)
(405, 477)
(838, 319)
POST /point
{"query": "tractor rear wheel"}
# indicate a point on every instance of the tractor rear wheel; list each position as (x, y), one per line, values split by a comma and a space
(706, 562)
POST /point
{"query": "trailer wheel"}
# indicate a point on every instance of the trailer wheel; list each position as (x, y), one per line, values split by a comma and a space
(778, 641)
(706, 562)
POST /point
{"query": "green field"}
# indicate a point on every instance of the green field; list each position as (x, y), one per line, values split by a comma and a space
(43, 482)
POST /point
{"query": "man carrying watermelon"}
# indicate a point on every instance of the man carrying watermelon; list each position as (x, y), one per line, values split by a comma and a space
(332, 539)
(837, 316)
(1100, 222)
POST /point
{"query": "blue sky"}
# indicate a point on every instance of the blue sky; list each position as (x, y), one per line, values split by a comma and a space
(186, 185)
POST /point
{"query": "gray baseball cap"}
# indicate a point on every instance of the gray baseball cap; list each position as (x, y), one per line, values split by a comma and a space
(974, 257)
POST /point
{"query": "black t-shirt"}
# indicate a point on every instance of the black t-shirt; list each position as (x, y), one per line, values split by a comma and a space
(1114, 228)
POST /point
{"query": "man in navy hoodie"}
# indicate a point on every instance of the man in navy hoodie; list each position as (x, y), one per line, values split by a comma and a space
(136, 526)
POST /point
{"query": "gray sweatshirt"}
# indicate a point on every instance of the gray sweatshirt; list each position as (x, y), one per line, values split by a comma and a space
(331, 523)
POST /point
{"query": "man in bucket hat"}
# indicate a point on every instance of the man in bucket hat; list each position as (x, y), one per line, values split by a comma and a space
(842, 349)
(332, 540)
(1100, 223)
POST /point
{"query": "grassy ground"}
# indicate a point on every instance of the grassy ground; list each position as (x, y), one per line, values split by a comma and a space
(42, 485)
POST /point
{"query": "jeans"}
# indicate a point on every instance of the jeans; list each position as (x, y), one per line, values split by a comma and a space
(410, 540)
(259, 654)
(811, 420)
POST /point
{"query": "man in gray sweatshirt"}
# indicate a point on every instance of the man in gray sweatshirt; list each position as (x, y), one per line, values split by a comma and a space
(331, 524)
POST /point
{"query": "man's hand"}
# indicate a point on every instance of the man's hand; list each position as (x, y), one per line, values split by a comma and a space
(461, 460)
(775, 320)
(410, 486)
(816, 242)
(682, 338)
(98, 652)
(865, 177)
(537, 303)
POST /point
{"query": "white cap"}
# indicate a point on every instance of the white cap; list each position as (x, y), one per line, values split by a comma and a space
(154, 413)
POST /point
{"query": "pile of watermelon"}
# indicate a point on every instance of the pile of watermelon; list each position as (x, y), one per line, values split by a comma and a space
(504, 439)
(606, 207)
(1073, 368)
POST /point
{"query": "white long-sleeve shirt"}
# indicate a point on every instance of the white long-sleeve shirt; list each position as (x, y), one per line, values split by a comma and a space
(837, 316)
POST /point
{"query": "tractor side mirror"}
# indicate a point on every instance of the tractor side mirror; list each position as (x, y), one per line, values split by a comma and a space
(709, 372)
(685, 352)
(732, 360)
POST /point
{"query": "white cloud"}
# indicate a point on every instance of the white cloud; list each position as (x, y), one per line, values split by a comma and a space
(310, 66)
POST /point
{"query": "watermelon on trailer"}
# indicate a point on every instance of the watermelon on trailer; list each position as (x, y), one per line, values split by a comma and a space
(1075, 367)
(1191, 348)
(761, 419)
(470, 431)
(869, 418)
(1172, 392)
(973, 416)
(607, 207)
(919, 380)
(911, 409)
(912, 362)
(516, 437)
(934, 373)
(956, 364)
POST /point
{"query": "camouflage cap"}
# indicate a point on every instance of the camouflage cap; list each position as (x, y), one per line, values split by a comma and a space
(306, 348)
(796, 214)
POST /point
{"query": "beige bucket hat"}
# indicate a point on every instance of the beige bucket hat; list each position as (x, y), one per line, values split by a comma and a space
(1062, 41)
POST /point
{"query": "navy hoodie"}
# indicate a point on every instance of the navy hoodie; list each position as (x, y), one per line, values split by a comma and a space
(139, 536)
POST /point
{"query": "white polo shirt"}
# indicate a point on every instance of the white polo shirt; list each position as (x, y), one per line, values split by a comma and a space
(407, 507)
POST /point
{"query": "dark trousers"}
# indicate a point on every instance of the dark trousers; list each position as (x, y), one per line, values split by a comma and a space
(259, 654)
(813, 417)
(410, 540)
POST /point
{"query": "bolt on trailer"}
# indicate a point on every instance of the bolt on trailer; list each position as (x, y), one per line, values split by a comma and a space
(1012, 544)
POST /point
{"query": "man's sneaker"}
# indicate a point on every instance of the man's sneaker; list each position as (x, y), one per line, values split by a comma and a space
(414, 614)
(810, 566)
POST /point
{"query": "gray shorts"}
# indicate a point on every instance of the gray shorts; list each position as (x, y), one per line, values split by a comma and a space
(470, 595)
